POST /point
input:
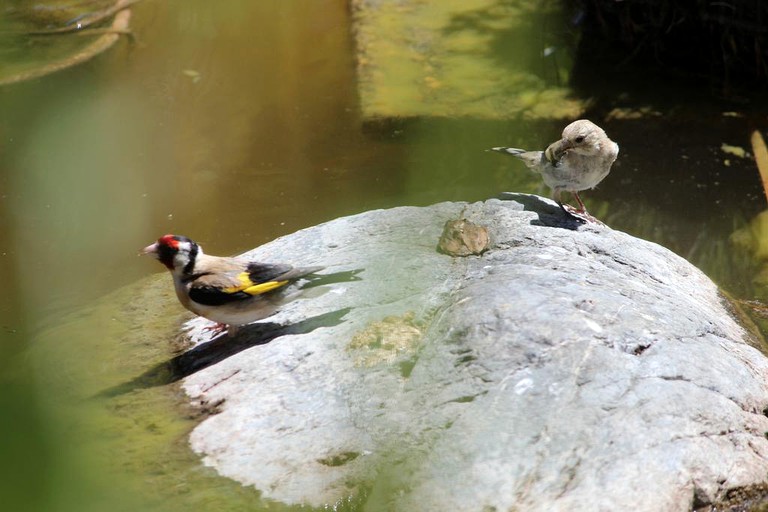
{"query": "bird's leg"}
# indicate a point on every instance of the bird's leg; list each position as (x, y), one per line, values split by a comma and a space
(582, 212)
(582, 208)
(556, 197)
(567, 209)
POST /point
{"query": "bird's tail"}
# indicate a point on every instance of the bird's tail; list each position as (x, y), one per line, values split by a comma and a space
(511, 151)
(297, 272)
(531, 159)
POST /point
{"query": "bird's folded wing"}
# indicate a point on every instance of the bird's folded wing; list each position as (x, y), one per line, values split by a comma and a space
(223, 289)
(265, 272)
(210, 296)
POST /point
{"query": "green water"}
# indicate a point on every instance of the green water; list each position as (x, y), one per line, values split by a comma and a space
(237, 122)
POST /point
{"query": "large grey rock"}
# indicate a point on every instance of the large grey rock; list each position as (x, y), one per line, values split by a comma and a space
(571, 367)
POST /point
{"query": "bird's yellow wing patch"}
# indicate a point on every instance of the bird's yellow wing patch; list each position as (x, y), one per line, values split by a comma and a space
(264, 287)
(251, 288)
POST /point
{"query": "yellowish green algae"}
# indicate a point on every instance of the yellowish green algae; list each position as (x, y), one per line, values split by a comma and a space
(39, 39)
(386, 341)
(459, 58)
(753, 238)
(121, 421)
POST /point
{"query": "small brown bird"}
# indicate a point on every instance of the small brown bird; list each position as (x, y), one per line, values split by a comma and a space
(229, 291)
(580, 160)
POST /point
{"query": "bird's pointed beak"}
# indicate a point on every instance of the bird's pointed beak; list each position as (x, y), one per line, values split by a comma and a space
(150, 249)
(556, 150)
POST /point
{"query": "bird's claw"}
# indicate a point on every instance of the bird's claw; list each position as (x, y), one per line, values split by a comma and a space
(582, 214)
(216, 329)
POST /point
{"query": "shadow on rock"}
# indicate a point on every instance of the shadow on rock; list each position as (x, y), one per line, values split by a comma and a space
(315, 280)
(221, 348)
(550, 215)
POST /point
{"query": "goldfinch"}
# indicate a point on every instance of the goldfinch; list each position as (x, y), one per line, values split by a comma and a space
(580, 160)
(229, 291)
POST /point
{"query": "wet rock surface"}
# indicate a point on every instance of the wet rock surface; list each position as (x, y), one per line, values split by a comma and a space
(569, 367)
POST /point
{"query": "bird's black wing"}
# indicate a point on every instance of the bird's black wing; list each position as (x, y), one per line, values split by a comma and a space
(266, 272)
(228, 287)
(213, 296)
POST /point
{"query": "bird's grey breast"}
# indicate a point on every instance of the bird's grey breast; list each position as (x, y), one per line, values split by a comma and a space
(582, 172)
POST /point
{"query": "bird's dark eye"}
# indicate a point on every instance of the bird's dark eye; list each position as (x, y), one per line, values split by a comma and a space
(579, 139)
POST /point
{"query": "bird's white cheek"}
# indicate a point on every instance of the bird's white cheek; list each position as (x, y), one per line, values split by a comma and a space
(180, 261)
(587, 150)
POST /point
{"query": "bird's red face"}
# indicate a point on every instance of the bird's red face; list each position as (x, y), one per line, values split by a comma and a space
(173, 251)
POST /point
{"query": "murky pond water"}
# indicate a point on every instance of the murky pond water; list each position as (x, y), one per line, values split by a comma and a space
(234, 123)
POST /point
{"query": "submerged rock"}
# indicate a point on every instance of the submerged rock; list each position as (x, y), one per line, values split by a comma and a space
(570, 367)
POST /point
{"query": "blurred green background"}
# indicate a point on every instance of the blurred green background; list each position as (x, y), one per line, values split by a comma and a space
(237, 122)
